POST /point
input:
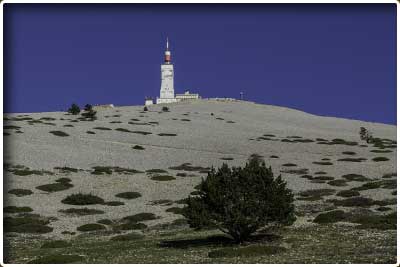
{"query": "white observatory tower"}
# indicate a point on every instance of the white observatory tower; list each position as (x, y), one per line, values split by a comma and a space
(167, 94)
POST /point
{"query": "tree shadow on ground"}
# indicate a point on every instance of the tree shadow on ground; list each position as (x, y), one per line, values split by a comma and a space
(216, 240)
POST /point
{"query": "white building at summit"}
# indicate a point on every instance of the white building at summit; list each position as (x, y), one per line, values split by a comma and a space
(167, 91)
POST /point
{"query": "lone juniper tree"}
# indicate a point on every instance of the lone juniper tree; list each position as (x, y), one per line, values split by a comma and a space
(74, 109)
(240, 201)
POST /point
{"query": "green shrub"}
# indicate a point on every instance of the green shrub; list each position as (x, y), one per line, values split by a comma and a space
(162, 178)
(244, 252)
(145, 216)
(289, 164)
(91, 227)
(367, 186)
(128, 195)
(82, 212)
(189, 167)
(141, 132)
(15, 209)
(99, 170)
(381, 222)
(63, 180)
(355, 177)
(156, 171)
(322, 163)
(56, 244)
(24, 171)
(165, 202)
(175, 210)
(381, 151)
(227, 158)
(114, 203)
(11, 127)
(102, 128)
(74, 109)
(54, 187)
(315, 194)
(330, 217)
(127, 237)
(348, 193)
(59, 133)
(123, 130)
(166, 134)
(383, 209)
(353, 159)
(229, 196)
(26, 225)
(323, 178)
(380, 159)
(348, 153)
(82, 199)
(20, 192)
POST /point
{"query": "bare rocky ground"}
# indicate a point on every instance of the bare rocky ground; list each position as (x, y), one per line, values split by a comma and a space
(310, 152)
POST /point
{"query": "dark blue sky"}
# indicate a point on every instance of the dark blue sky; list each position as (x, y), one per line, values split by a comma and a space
(332, 60)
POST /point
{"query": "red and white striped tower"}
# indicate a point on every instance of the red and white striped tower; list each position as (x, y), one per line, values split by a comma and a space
(167, 56)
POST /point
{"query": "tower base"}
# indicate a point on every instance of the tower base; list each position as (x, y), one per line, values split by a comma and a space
(166, 100)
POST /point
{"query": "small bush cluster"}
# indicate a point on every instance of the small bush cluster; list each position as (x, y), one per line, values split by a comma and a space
(128, 195)
(20, 192)
(74, 109)
(91, 227)
(82, 199)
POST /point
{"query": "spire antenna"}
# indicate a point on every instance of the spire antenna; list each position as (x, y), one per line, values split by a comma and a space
(167, 44)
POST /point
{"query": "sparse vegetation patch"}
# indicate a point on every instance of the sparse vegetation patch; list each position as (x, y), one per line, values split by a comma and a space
(59, 133)
(167, 134)
(140, 217)
(20, 192)
(15, 209)
(55, 187)
(99, 170)
(355, 177)
(138, 147)
(380, 159)
(162, 178)
(82, 199)
(91, 227)
(27, 224)
(102, 128)
(81, 212)
(322, 163)
(348, 193)
(128, 195)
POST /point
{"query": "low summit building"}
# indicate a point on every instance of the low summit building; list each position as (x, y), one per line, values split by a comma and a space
(167, 91)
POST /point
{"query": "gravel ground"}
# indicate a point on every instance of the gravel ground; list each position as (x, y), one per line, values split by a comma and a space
(231, 132)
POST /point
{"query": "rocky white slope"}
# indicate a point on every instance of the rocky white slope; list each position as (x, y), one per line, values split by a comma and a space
(230, 135)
